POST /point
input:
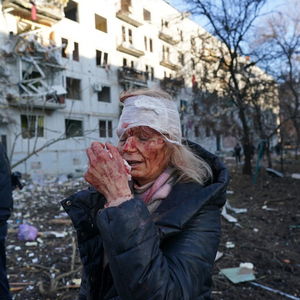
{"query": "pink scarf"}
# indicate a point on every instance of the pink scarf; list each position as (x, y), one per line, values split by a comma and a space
(158, 189)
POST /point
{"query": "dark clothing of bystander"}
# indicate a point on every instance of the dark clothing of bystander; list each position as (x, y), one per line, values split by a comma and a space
(6, 205)
(237, 153)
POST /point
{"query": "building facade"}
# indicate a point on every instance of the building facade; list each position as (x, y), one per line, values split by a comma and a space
(64, 63)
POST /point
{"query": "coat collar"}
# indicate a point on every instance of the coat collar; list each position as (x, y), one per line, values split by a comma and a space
(185, 201)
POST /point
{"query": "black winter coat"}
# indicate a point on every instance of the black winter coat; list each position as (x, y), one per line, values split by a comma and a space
(168, 255)
(6, 200)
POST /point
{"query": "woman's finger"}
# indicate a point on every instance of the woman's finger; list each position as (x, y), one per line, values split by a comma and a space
(98, 148)
(113, 151)
(91, 156)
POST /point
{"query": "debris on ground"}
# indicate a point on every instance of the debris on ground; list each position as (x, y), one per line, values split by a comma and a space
(274, 172)
(227, 216)
(267, 235)
(242, 273)
(295, 175)
(275, 291)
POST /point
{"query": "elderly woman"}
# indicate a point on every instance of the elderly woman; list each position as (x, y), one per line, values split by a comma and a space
(149, 227)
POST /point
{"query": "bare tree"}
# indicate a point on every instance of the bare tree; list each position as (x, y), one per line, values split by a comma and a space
(281, 37)
(231, 64)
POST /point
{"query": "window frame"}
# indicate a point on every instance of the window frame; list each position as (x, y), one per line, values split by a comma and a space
(68, 96)
(77, 11)
(109, 91)
(34, 131)
(67, 128)
(98, 20)
(108, 128)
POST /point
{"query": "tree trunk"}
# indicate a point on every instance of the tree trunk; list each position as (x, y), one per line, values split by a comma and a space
(247, 145)
(268, 154)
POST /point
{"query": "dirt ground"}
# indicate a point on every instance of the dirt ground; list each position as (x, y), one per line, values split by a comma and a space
(267, 235)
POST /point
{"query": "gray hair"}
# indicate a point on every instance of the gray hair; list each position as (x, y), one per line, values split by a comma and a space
(189, 166)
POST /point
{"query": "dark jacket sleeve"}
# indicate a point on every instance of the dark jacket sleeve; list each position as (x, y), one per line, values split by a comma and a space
(6, 201)
(144, 269)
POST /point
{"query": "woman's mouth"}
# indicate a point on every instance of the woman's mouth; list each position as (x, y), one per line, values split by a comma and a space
(133, 163)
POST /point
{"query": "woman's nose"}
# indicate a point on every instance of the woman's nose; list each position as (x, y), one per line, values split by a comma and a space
(130, 144)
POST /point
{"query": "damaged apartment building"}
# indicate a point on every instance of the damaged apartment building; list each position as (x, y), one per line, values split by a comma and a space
(64, 63)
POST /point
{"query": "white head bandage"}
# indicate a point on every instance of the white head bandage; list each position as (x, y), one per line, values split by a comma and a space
(159, 114)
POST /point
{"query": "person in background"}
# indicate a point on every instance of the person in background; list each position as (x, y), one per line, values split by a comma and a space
(237, 153)
(149, 225)
(6, 205)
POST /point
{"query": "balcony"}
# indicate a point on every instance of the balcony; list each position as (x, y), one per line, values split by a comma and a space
(38, 103)
(128, 48)
(172, 83)
(132, 76)
(168, 64)
(128, 17)
(48, 12)
(53, 99)
(167, 36)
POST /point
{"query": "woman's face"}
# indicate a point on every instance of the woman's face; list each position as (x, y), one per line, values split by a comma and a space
(146, 152)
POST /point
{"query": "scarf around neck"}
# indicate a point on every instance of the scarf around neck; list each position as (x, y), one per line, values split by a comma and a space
(157, 189)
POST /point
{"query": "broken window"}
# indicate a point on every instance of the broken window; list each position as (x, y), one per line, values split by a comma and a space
(123, 34)
(164, 24)
(100, 23)
(76, 52)
(151, 45)
(152, 73)
(64, 43)
(105, 128)
(147, 71)
(181, 58)
(71, 11)
(105, 58)
(98, 58)
(130, 36)
(32, 126)
(104, 94)
(73, 88)
(147, 15)
(101, 58)
(73, 128)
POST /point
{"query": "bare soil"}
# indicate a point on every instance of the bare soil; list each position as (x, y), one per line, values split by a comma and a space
(267, 235)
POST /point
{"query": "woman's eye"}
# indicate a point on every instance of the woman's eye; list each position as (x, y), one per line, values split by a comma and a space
(122, 140)
(144, 138)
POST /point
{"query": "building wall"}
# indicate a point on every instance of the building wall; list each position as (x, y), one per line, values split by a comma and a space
(67, 156)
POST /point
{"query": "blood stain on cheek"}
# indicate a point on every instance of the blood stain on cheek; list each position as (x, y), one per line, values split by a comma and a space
(151, 151)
